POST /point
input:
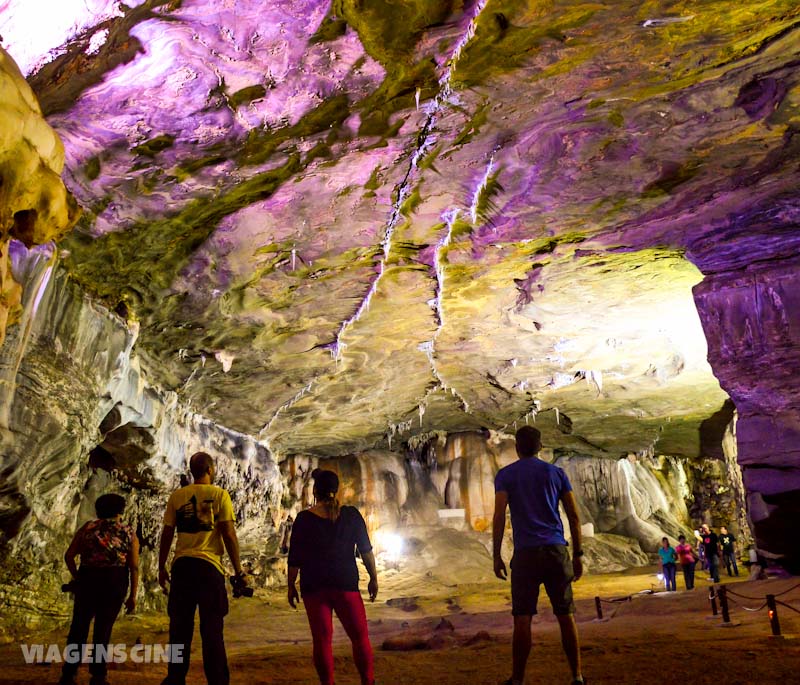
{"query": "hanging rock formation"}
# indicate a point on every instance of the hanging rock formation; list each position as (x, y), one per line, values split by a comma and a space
(35, 207)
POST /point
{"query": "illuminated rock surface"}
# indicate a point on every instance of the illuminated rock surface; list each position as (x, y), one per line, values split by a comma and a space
(35, 207)
(347, 228)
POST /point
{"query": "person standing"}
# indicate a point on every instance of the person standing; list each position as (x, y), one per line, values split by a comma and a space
(687, 560)
(668, 558)
(532, 489)
(202, 515)
(109, 552)
(710, 545)
(322, 551)
(727, 541)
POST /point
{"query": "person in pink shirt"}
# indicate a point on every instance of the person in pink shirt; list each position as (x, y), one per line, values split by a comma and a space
(687, 558)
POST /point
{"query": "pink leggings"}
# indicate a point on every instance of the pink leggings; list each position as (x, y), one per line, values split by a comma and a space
(349, 607)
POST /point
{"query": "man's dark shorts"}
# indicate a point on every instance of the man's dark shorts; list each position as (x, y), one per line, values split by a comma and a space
(549, 565)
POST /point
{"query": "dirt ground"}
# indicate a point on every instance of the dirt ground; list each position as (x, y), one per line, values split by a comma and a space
(654, 638)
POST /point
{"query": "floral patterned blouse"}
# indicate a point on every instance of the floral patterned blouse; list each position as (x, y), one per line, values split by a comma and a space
(104, 543)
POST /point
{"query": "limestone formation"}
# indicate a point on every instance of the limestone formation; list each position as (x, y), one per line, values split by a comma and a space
(35, 207)
(101, 427)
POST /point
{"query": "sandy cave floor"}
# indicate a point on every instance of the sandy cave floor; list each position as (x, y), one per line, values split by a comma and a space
(654, 638)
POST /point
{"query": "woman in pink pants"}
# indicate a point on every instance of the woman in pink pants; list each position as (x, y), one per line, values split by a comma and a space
(322, 551)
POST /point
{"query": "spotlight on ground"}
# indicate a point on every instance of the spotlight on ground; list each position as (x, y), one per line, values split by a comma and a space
(391, 546)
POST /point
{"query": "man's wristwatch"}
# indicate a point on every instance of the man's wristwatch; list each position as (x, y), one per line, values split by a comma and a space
(579, 553)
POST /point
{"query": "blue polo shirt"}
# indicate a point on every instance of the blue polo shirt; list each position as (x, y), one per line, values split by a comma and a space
(534, 489)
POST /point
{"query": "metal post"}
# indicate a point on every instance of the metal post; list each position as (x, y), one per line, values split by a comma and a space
(712, 597)
(599, 608)
(773, 615)
(723, 603)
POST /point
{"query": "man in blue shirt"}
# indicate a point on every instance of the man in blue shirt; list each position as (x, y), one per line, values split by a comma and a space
(532, 489)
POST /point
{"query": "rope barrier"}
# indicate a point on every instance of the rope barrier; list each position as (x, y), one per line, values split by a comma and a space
(788, 606)
(599, 601)
(723, 592)
(777, 594)
(617, 610)
(616, 599)
(731, 592)
(780, 594)
(741, 606)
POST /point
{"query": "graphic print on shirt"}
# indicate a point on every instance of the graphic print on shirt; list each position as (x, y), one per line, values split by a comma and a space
(193, 519)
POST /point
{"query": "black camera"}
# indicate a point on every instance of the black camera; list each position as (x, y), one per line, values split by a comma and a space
(240, 588)
(71, 586)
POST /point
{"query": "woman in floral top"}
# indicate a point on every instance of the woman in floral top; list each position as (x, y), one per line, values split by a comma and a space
(109, 552)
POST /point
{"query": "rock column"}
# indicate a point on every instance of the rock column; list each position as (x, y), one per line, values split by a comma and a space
(752, 323)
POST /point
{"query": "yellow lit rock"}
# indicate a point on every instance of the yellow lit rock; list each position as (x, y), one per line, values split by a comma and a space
(35, 207)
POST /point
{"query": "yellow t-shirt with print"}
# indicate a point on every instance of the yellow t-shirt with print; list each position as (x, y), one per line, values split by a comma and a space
(194, 511)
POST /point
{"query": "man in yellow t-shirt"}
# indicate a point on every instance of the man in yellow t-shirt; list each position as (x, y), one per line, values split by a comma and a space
(202, 514)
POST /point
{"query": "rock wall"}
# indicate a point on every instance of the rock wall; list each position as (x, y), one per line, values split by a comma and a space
(78, 418)
(751, 318)
(626, 505)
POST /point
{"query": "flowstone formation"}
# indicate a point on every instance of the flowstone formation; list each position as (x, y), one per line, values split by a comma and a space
(341, 230)
(421, 499)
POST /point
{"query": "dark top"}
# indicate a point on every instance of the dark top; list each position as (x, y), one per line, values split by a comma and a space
(534, 489)
(710, 542)
(727, 541)
(324, 550)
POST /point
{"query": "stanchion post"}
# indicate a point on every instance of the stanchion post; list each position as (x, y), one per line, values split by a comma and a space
(723, 603)
(712, 597)
(599, 608)
(773, 615)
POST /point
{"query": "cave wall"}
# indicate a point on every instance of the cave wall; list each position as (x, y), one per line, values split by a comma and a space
(77, 419)
(751, 317)
(79, 416)
(626, 504)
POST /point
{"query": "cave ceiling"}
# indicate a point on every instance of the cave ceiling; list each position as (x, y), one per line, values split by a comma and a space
(343, 224)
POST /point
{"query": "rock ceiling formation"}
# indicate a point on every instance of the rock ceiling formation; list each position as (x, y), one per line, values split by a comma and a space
(342, 224)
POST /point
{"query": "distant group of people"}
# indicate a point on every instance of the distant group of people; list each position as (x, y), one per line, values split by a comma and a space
(322, 547)
(711, 547)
